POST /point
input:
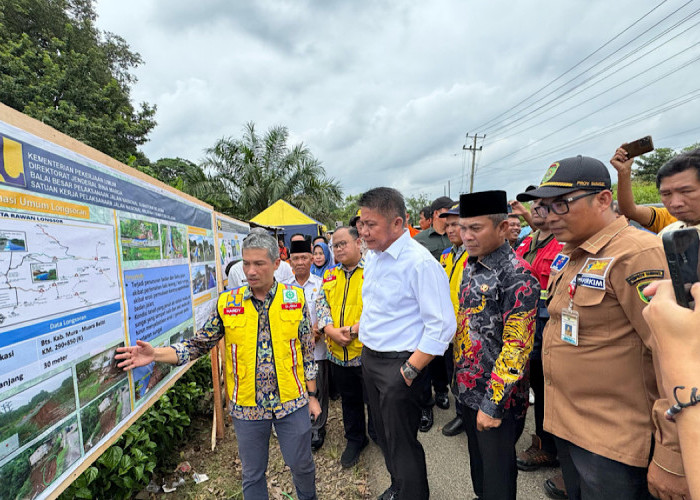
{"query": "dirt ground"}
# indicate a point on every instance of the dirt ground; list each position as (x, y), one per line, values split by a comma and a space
(224, 468)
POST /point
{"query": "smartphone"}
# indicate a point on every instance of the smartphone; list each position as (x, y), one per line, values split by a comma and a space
(639, 147)
(682, 249)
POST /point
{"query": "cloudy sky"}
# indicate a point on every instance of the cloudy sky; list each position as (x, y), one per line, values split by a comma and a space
(384, 92)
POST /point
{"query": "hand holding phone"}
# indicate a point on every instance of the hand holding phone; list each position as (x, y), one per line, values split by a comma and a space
(682, 249)
(638, 147)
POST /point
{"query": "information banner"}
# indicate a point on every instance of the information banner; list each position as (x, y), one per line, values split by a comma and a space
(92, 257)
(230, 235)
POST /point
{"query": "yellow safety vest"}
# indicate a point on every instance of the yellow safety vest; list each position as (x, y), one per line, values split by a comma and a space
(344, 296)
(240, 320)
(454, 272)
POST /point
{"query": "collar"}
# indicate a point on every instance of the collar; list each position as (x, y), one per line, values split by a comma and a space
(397, 246)
(595, 243)
(248, 294)
(458, 251)
(360, 265)
(492, 260)
(432, 232)
(541, 243)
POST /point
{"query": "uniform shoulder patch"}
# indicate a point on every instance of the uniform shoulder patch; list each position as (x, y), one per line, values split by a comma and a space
(647, 274)
(559, 262)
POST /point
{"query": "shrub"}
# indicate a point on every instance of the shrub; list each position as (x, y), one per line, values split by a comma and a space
(126, 466)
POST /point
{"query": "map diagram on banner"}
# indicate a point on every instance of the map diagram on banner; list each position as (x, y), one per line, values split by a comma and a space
(54, 268)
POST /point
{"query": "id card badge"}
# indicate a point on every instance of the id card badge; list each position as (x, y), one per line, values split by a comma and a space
(569, 326)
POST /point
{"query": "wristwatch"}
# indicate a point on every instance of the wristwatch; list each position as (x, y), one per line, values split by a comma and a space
(409, 371)
(313, 394)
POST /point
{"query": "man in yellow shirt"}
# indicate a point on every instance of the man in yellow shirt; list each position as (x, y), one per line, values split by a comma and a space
(678, 182)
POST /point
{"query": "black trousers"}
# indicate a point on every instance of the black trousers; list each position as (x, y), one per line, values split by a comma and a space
(589, 476)
(450, 367)
(437, 378)
(537, 384)
(322, 389)
(492, 457)
(348, 379)
(396, 412)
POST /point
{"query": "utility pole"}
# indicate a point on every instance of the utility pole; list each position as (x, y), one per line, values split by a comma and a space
(473, 149)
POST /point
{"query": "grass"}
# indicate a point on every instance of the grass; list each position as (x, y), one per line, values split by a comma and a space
(141, 253)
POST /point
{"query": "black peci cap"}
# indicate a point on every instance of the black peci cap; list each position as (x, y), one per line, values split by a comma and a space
(299, 246)
(568, 175)
(483, 203)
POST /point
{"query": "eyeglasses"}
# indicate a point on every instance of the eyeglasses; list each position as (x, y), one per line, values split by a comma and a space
(340, 245)
(560, 207)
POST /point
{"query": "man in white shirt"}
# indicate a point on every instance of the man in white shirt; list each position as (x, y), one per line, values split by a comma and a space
(300, 257)
(236, 278)
(407, 319)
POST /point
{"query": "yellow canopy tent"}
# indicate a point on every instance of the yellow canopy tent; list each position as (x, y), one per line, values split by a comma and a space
(290, 218)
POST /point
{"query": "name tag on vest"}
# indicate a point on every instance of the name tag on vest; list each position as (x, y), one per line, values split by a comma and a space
(232, 311)
(290, 306)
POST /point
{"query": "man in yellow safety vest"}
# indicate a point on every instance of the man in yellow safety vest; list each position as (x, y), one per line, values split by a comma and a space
(270, 367)
(338, 310)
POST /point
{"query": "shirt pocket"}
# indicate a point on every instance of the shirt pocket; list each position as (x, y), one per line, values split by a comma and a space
(290, 322)
(593, 314)
(234, 327)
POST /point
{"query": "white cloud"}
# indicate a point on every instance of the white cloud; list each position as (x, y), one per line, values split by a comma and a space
(384, 92)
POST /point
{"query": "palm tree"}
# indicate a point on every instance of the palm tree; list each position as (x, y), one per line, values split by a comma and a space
(257, 171)
(191, 179)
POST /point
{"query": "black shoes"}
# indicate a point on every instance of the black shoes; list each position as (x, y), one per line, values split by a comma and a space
(454, 427)
(426, 419)
(317, 438)
(442, 401)
(555, 488)
(389, 494)
(351, 455)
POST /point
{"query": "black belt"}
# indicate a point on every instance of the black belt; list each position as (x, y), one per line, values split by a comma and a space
(387, 354)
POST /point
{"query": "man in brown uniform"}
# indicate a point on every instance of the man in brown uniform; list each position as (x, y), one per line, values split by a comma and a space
(600, 382)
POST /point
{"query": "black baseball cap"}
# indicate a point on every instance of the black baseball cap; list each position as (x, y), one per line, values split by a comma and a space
(454, 210)
(568, 175)
(440, 203)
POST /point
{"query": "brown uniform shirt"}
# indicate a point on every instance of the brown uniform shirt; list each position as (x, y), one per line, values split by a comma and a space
(601, 394)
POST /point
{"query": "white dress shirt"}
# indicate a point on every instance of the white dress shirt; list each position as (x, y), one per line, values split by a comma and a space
(406, 300)
(237, 278)
(312, 289)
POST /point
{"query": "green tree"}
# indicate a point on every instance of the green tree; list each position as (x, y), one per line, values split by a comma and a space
(643, 192)
(649, 164)
(345, 210)
(414, 204)
(259, 170)
(191, 179)
(60, 69)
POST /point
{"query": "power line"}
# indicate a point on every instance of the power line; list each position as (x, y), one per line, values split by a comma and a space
(576, 65)
(616, 101)
(612, 65)
(654, 111)
(646, 70)
(534, 114)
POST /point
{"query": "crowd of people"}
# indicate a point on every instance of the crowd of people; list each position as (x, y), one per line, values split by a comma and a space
(394, 322)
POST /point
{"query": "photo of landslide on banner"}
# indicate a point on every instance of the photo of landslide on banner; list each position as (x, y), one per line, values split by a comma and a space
(93, 256)
(230, 235)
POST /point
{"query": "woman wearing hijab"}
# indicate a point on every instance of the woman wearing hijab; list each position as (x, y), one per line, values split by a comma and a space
(321, 259)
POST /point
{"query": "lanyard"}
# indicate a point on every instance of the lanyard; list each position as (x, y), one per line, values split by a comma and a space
(572, 291)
